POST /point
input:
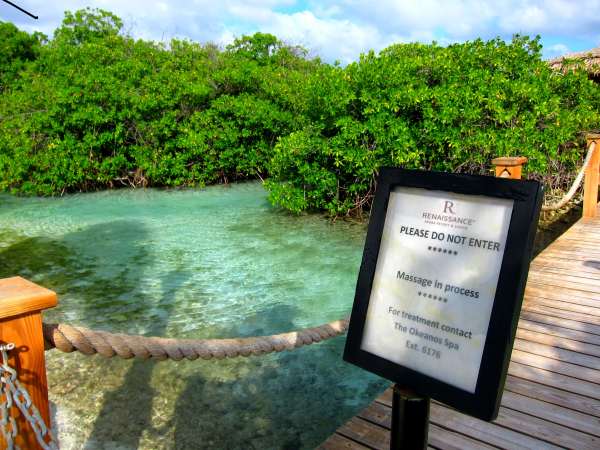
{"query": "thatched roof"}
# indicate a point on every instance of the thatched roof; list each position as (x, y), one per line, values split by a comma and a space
(589, 58)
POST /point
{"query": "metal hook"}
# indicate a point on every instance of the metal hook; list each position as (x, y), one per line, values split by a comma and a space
(7, 347)
(4, 349)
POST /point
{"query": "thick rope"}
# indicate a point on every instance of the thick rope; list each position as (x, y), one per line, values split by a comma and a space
(569, 195)
(68, 338)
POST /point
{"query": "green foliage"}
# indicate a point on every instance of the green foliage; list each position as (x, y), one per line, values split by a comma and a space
(435, 108)
(86, 25)
(93, 108)
(16, 48)
(97, 109)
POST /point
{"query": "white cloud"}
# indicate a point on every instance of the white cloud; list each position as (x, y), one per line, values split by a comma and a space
(330, 38)
(341, 29)
(557, 50)
(157, 20)
(459, 19)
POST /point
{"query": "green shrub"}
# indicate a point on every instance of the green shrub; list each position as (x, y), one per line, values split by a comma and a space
(93, 108)
(16, 49)
(96, 109)
(436, 108)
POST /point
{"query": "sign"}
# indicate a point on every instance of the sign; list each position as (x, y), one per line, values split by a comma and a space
(441, 284)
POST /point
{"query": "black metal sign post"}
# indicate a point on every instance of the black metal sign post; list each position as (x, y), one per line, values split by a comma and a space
(410, 420)
(440, 289)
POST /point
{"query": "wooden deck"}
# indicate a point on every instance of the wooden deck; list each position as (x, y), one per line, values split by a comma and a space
(552, 395)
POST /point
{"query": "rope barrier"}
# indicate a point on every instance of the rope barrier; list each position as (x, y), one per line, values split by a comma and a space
(576, 183)
(68, 338)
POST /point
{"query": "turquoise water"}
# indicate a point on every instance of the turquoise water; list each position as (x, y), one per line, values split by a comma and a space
(218, 262)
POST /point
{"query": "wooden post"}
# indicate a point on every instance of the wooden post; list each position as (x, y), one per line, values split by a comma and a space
(590, 184)
(509, 166)
(21, 304)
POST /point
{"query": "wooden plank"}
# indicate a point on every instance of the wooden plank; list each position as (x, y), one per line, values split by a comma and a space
(570, 255)
(536, 290)
(564, 247)
(546, 258)
(554, 353)
(582, 228)
(19, 296)
(567, 265)
(582, 289)
(561, 294)
(584, 252)
(572, 246)
(558, 331)
(583, 309)
(552, 391)
(438, 437)
(589, 267)
(339, 442)
(366, 433)
(580, 239)
(584, 278)
(487, 432)
(547, 431)
(574, 325)
(560, 342)
(554, 379)
(552, 413)
(553, 395)
(478, 429)
(563, 314)
(578, 277)
(379, 413)
(585, 233)
(556, 365)
(588, 226)
(448, 440)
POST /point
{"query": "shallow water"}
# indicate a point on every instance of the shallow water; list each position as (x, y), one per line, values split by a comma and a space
(218, 262)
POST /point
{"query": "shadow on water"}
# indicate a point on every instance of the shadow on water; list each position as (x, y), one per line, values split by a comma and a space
(242, 403)
(270, 401)
(37, 258)
(274, 401)
(127, 411)
(81, 267)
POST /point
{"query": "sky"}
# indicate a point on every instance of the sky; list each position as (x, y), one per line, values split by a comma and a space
(339, 30)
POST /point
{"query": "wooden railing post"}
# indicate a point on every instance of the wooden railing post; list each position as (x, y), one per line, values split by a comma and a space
(590, 184)
(509, 166)
(21, 304)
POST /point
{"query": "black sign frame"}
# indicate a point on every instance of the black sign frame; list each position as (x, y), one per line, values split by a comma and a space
(527, 198)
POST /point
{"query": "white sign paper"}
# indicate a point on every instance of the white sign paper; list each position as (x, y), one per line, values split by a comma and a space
(435, 282)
